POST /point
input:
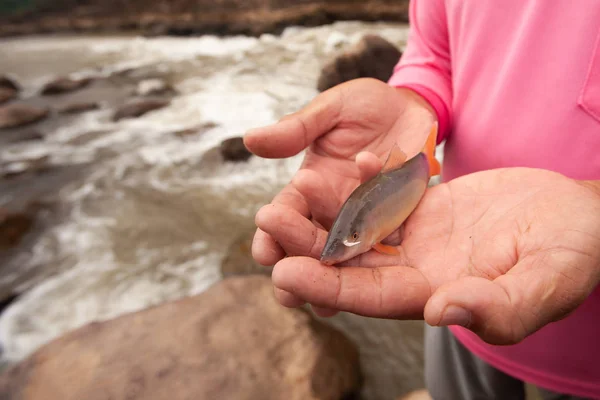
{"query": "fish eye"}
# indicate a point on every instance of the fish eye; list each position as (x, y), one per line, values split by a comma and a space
(355, 235)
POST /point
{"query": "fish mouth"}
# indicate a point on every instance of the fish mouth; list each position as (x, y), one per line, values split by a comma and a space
(338, 251)
(333, 252)
(327, 261)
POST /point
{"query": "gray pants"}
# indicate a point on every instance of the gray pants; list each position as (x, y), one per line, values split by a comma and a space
(454, 373)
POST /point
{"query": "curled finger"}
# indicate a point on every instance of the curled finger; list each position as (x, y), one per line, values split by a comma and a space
(295, 234)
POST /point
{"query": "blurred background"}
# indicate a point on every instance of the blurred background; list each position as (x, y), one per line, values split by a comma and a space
(127, 200)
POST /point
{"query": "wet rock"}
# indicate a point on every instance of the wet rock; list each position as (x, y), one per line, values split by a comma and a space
(76, 108)
(13, 226)
(233, 149)
(8, 83)
(33, 166)
(64, 85)
(198, 130)
(88, 137)
(26, 136)
(239, 260)
(232, 342)
(7, 94)
(138, 108)
(371, 57)
(15, 115)
(154, 87)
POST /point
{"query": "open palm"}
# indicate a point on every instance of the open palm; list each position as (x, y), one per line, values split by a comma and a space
(505, 245)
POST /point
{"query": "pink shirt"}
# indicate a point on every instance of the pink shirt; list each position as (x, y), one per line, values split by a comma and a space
(517, 83)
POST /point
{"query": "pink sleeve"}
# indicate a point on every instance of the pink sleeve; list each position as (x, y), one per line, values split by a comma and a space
(425, 65)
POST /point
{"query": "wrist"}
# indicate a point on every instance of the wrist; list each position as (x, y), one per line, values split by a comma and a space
(417, 99)
(423, 97)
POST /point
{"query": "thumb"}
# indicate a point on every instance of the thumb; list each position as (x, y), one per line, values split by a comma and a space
(480, 305)
(295, 132)
(509, 308)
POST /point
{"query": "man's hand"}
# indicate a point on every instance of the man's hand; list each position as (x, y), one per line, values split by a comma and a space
(501, 252)
(363, 115)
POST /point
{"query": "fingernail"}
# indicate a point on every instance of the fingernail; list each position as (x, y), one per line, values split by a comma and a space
(454, 315)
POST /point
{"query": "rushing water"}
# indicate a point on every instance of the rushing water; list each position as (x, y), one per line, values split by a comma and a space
(154, 218)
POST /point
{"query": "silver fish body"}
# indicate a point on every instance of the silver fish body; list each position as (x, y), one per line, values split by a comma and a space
(376, 209)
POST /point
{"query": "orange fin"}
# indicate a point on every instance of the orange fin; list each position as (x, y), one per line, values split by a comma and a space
(429, 150)
(385, 249)
(395, 159)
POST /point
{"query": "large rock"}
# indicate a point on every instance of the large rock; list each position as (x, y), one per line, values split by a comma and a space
(64, 85)
(185, 17)
(372, 57)
(232, 342)
(137, 108)
(15, 114)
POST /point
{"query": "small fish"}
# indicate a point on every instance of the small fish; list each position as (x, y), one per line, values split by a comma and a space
(380, 205)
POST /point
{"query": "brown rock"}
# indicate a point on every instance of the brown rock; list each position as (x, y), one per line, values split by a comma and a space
(231, 342)
(64, 85)
(88, 137)
(26, 136)
(372, 57)
(76, 108)
(239, 260)
(197, 130)
(14, 115)
(233, 149)
(8, 83)
(7, 94)
(13, 226)
(138, 108)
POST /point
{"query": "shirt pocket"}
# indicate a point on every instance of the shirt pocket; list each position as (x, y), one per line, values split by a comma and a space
(589, 98)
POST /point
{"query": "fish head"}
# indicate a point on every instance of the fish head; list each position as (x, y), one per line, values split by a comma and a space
(349, 236)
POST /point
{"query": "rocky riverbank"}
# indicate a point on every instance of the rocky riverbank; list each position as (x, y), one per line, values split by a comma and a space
(127, 193)
(184, 17)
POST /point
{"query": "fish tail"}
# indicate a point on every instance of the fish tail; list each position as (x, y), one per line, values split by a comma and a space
(429, 150)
